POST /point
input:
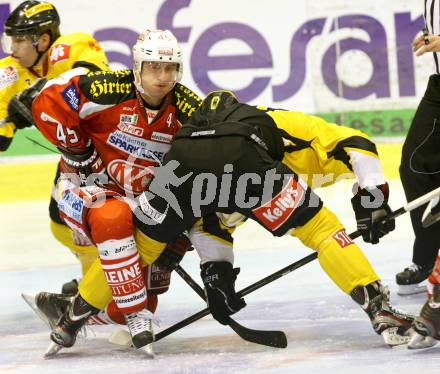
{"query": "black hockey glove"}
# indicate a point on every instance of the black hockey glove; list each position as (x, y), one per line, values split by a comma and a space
(20, 106)
(174, 252)
(85, 168)
(370, 206)
(219, 280)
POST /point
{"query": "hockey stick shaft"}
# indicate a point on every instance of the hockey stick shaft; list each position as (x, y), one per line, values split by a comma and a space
(245, 291)
(190, 281)
(280, 273)
(265, 337)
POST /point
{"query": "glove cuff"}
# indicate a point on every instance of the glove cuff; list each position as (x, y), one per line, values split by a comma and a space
(372, 191)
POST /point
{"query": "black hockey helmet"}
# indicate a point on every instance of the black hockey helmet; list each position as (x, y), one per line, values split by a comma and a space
(33, 18)
(213, 107)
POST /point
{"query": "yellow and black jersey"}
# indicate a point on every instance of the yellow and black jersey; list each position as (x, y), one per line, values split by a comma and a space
(186, 102)
(319, 152)
(322, 152)
(67, 52)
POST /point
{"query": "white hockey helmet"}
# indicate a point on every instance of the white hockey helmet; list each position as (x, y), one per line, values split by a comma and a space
(155, 46)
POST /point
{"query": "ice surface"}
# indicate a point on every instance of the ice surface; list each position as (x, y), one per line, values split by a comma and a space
(327, 332)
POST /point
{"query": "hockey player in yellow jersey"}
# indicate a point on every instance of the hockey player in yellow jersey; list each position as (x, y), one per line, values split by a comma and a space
(297, 145)
(38, 50)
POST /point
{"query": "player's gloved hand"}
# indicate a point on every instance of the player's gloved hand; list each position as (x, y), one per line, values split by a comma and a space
(370, 206)
(427, 325)
(219, 280)
(174, 252)
(20, 106)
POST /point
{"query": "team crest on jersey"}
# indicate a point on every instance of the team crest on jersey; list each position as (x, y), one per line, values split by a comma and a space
(8, 75)
(278, 210)
(59, 52)
(137, 147)
(130, 177)
(71, 97)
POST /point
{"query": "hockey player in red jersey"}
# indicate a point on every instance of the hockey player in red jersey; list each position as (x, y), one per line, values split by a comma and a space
(110, 127)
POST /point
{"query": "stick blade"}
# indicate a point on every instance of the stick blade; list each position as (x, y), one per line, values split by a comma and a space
(270, 338)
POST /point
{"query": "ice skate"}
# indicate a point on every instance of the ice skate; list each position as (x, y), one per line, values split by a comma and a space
(70, 288)
(427, 325)
(393, 325)
(71, 322)
(140, 325)
(410, 280)
(49, 307)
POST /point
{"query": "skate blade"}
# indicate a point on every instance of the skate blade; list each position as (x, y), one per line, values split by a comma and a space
(30, 300)
(52, 350)
(120, 337)
(411, 289)
(419, 341)
(392, 338)
(148, 350)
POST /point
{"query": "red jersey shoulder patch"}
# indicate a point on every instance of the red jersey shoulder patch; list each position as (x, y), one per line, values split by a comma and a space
(59, 52)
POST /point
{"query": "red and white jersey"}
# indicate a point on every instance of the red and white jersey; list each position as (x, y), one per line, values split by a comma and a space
(103, 108)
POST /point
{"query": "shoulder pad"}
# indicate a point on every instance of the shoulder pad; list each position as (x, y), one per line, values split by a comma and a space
(108, 87)
(186, 102)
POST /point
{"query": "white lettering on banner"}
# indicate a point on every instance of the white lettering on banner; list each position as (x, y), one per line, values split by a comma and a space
(138, 147)
(276, 211)
(342, 238)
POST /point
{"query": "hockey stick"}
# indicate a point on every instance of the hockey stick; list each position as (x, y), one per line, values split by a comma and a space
(270, 338)
(288, 269)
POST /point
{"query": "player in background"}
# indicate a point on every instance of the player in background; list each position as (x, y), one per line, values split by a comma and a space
(111, 128)
(38, 50)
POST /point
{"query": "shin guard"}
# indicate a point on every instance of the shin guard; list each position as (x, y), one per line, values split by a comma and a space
(123, 270)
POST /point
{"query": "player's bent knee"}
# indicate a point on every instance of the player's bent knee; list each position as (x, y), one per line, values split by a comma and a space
(112, 220)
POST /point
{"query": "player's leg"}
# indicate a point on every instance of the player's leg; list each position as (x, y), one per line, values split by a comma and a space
(419, 175)
(83, 249)
(350, 270)
(118, 274)
(296, 209)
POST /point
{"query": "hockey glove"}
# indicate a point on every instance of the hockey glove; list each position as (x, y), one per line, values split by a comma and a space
(20, 106)
(84, 168)
(219, 280)
(370, 206)
(174, 252)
